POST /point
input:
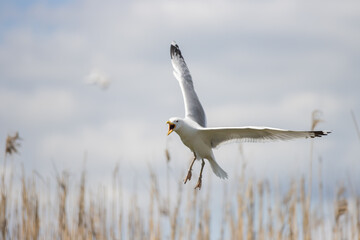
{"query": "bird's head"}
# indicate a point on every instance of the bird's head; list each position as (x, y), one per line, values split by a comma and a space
(174, 124)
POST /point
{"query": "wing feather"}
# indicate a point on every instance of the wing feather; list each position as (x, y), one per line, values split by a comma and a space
(193, 108)
(218, 136)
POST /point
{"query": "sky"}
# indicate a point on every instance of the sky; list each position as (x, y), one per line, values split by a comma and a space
(253, 63)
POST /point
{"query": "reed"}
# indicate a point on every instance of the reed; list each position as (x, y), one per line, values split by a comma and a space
(251, 208)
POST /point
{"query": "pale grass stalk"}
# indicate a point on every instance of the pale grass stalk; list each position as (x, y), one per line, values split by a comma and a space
(92, 220)
(291, 210)
(237, 230)
(80, 232)
(190, 222)
(62, 182)
(121, 209)
(305, 211)
(261, 233)
(357, 216)
(321, 199)
(270, 226)
(30, 209)
(207, 219)
(3, 210)
(315, 120)
(341, 213)
(152, 233)
(250, 211)
(224, 217)
(200, 228)
(207, 213)
(114, 201)
(280, 226)
(174, 221)
(232, 221)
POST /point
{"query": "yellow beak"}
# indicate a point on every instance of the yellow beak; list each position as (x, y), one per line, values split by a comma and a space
(171, 127)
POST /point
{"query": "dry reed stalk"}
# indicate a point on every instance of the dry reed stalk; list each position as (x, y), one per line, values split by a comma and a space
(3, 217)
(238, 232)
(207, 214)
(92, 219)
(190, 221)
(357, 216)
(81, 209)
(270, 227)
(152, 232)
(174, 215)
(121, 201)
(224, 216)
(207, 219)
(135, 221)
(154, 195)
(291, 210)
(62, 182)
(203, 230)
(305, 211)
(113, 211)
(200, 228)
(321, 199)
(25, 207)
(16, 231)
(103, 213)
(250, 210)
(11, 147)
(261, 233)
(341, 210)
(158, 231)
(232, 221)
(168, 158)
(281, 219)
(315, 120)
(30, 227)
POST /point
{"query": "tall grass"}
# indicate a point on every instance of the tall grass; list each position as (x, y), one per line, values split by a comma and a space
(251, 209)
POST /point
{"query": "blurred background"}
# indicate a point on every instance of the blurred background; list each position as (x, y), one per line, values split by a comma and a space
(88, 85)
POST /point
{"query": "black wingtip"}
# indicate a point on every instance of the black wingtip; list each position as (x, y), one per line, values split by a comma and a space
(174, 50)
(320, 133)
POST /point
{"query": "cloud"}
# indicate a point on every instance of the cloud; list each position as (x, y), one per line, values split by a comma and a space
(36, 108)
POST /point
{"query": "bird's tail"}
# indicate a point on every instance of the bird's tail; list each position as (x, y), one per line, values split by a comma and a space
(217, 169)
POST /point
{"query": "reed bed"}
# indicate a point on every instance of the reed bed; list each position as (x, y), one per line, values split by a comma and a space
(250, 209)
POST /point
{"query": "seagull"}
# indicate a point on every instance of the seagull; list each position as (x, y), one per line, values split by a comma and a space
(201, 139)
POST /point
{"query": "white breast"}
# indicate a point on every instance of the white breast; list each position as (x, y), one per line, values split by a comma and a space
(190, 137)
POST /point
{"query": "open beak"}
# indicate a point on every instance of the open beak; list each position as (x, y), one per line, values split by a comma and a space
(171, 127)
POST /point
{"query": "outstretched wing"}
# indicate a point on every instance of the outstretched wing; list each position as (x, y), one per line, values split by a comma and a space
(218, 136)
(193, 108)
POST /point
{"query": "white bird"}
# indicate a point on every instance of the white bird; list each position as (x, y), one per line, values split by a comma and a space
(201, 139)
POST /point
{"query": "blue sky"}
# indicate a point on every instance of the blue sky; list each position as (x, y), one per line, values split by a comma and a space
(260, 63)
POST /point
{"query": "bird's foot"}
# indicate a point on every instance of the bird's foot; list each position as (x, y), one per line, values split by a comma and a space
(198, 185)
(188, 177)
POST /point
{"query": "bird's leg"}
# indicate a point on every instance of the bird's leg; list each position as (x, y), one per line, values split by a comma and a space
(198, 185)
(188, 176)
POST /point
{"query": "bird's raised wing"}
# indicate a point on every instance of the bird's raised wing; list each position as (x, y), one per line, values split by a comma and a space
(218, 136)
(193, 108)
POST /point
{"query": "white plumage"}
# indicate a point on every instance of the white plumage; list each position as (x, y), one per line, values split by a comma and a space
(200, 139)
